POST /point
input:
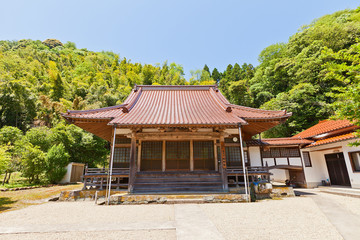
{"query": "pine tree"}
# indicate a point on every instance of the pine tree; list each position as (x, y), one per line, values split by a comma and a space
(206, 68)
(216, 75)
(57, 88)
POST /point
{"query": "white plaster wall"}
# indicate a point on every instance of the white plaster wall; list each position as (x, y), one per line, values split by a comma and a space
(281, 161)
(318, 172)
(354, 176)
(66, 178)
(295, 161)
(255, 156)
(279, 175)
(269, 161)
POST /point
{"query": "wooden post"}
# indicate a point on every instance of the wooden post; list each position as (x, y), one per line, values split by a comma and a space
(163, 160)
(216, 156)
(139, 157)
(223, 166)
(191, 155)
(132, 165)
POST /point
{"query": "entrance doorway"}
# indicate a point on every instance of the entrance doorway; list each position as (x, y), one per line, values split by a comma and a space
(177, 155)
(337, 169)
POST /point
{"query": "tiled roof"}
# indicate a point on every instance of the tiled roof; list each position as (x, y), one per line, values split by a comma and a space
(333, 139)
(176, 105)
(278, 141)
(324, 126)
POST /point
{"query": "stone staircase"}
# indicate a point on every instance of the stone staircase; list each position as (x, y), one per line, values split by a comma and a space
(178, 182)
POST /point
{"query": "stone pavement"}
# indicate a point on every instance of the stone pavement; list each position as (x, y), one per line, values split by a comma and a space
(345, 221)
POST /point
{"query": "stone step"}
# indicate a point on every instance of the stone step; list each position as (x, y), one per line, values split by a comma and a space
(169, 180)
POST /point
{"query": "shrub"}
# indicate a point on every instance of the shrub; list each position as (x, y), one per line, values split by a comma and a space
(33, 162)
(56, 161)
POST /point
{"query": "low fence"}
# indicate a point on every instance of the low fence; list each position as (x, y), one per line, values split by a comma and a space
(99, 177)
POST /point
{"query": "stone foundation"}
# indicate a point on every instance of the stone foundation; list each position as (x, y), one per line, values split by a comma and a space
(122, 197)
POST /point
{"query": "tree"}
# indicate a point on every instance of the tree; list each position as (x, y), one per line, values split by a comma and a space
(206, 69)
(306, 105)
(17, 105)
(239, 93)
(5, 159)
(345, 68)
(56, 160)
(51, 43)
(38, 137)
(33, 162)
(9, 136)
(216, 76)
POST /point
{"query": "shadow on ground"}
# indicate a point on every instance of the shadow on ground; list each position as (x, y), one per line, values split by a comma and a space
(5, 201)
(302, 193)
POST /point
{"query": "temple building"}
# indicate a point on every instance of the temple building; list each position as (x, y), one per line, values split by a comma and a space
(187, 139)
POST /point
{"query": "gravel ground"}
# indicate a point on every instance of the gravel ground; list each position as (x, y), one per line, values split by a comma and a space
(290, 218)
(136, 234)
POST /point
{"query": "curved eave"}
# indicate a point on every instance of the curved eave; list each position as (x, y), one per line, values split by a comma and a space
(223, 125)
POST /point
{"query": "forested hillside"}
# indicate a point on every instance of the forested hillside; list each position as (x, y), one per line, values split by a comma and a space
(315, 75)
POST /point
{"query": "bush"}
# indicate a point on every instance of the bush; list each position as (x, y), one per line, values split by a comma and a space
(51, 43)
(56, 161)
(33, 162)
(9, 135)
(5, 158)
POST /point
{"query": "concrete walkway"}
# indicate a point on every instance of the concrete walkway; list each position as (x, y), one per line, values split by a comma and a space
(192, 223)
(345, 221)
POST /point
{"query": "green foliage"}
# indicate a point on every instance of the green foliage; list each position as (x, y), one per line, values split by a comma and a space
(345, 68)
(17, 104)
(33, 162)
(295, 75)
(82, 146)
(5, 158)
(56, 160)
(39, 137)
(9, 135)
(307, 106)
(51, 43)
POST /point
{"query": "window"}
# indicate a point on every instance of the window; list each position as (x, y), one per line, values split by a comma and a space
(233, 156)
(204, 155)
(121, 157)
(277, 152)
(151, 155)
(307, 160)
(355, 161)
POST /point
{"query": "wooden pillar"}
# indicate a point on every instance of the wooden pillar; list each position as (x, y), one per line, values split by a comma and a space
(132, 165)
(223, 166)
(139, 157)
(163, 162)
(216, 156)
(191, 155)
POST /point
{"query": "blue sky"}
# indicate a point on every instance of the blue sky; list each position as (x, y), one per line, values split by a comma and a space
(190, 33)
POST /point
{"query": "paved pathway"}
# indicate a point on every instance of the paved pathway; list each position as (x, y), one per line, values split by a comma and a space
(192, 223)
(346, 222)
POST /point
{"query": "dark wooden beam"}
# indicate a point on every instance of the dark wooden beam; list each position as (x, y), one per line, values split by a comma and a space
(132, 165)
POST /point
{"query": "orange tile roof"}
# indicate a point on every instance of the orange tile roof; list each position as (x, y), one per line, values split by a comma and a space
(333, 139)
(279, 141)
(176, 105)
(324, 126)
